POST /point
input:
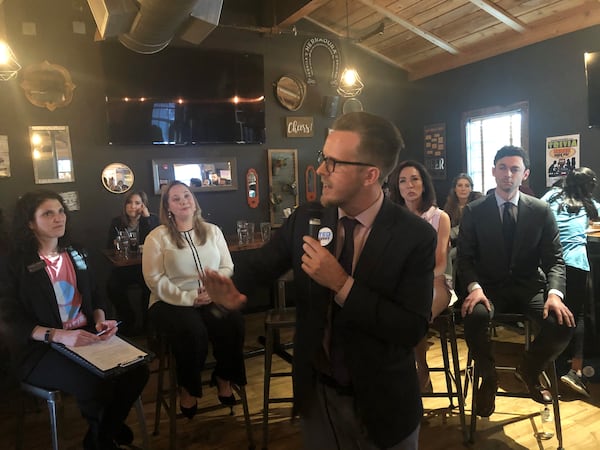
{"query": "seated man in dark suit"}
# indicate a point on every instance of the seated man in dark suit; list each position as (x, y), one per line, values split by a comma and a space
(510, 259)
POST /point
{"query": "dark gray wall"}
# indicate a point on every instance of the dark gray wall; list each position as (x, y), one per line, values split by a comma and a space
(85, 117)
(549, 75)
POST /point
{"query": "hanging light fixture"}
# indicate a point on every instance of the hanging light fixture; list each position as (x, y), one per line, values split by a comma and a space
(350, 84)
(8, 62)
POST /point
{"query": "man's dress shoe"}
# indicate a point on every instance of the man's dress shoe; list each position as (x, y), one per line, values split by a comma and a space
(538, 392)
(486, 396)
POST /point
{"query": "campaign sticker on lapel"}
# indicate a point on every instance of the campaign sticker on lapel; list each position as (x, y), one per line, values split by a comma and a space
(325, 236)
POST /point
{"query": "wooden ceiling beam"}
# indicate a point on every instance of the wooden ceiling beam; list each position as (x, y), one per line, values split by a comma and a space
(362, 47)
(413, 28)
(502, 16)
(288, 16)
(578, 18)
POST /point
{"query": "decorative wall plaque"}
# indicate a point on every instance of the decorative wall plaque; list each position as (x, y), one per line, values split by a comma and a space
(297, 126)
(331, 47)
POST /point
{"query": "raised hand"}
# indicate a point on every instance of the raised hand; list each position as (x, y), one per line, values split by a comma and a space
(222, 290)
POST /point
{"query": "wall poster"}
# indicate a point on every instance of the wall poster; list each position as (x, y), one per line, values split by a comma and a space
(562, 156)
(435, 150)
(4, 159)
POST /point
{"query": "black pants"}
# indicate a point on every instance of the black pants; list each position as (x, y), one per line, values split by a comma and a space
(547, 345)
(104, 403)
(119, 280)
(189, 331)
(576, 298)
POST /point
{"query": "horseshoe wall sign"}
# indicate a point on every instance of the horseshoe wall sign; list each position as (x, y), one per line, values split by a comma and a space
(307, 50)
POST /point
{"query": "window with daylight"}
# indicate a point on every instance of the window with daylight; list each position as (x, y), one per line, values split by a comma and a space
(485, 132)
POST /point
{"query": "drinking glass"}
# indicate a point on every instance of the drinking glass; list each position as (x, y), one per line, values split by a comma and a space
(265, 231)
(133, 242)
(117, 242)
(242, 231)
(250, 226)
(124, 238)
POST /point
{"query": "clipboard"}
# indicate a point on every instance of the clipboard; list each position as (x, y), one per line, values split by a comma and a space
(106, 358)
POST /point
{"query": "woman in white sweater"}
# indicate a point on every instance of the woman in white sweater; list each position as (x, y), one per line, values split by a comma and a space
(175, 256)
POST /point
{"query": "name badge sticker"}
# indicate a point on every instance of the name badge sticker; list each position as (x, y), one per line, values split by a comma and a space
(325, 236)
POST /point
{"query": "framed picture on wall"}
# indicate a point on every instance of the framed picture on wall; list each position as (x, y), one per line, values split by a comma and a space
(435, 150)
(283, 184)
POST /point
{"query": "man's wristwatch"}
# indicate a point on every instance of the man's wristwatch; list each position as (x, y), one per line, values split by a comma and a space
(47, 336)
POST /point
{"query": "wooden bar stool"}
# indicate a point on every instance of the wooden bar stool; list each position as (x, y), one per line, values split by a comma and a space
(53, 399)
(445, 324)
(276, 320)
(166, 397)
(472, 376)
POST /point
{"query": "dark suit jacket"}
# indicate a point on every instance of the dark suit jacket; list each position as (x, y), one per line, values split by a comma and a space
(30, 300)
(537, 253)
(385, 315)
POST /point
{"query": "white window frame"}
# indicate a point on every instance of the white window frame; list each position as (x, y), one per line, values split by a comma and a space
(485, 181)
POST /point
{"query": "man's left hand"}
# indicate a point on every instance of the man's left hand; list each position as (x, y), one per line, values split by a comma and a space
(222, 290)
(562, 313)
(321, 265)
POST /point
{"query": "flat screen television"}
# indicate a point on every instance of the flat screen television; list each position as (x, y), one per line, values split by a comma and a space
(592, 73)
(183, 95)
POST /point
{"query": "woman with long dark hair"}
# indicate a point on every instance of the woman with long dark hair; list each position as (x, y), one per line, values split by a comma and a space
(51, 297)
(411, 186)
(460, 194)
(175, 256)
(574, 209)
(137, 220)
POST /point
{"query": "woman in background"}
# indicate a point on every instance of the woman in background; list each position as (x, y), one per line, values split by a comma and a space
(175, 257)
(574, 208)
(134, 218)
(412, 187)
(460, 194)
(51, 297)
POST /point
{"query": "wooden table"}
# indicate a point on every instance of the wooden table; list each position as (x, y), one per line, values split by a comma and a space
(118, 260)
(234, 246)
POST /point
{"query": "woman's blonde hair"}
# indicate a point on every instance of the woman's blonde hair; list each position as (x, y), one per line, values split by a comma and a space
(168, 220)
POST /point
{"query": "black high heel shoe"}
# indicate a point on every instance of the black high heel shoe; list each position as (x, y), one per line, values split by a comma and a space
(189, 412)
(227, 401)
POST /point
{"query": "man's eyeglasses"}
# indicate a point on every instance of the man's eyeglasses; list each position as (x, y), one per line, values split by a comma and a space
(330, 163)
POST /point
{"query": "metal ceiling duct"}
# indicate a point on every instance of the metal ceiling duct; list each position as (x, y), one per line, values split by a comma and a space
(156, 24)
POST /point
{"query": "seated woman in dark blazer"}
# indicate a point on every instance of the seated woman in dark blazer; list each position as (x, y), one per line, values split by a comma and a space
(134, 218)
(50, 296)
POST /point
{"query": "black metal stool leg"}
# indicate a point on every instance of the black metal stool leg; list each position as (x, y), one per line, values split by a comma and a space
(267, 383)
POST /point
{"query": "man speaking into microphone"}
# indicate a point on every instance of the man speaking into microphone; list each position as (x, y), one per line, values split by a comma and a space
(364, 294)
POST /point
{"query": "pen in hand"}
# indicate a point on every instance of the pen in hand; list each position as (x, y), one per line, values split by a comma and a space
(100, 333)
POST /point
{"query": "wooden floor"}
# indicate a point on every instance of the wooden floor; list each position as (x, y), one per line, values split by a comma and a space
(512, 426)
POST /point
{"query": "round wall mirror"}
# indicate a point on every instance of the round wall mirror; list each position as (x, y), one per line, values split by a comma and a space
(352, 105)
(290, 92)
(47, 85)
(117, 178)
